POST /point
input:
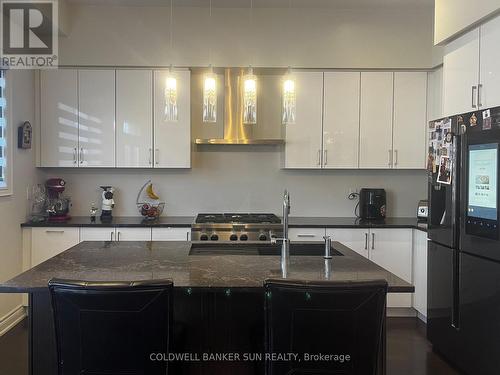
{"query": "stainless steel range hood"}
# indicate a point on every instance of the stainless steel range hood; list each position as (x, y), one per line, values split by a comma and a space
(229, 128)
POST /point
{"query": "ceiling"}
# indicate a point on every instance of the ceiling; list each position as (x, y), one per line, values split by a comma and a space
(343, 4)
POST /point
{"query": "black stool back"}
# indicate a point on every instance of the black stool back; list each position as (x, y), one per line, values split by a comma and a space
(111, 327)
(330, 318)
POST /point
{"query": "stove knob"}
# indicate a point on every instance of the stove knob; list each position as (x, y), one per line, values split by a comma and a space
(204, 237)
(244, 237)
(262, 237)
(233, 237)
(214, 237)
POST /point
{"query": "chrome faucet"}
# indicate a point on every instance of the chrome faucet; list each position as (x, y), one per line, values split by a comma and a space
(285, 241)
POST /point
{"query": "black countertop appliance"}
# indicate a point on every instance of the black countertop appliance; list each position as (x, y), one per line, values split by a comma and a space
(372, 204)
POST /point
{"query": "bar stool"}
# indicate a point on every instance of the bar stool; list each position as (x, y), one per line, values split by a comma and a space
(334, 327)
(112, 327)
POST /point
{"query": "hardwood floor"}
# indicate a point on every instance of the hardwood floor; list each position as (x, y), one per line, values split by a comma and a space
(14, 350)
(408, 350)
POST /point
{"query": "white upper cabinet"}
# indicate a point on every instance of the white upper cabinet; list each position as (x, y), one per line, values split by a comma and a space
(172, 140)
(96, 105)
(134, 118)
(435, 94)
(341, 120)
(304, 137)
(461, 74)
(410, 125)
(376, 120)
(489, 89)
(59, 118)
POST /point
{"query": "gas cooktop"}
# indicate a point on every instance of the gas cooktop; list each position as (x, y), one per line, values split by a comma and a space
(230, 227)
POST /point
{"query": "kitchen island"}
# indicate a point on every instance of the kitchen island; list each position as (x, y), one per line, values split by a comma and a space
(218, 299)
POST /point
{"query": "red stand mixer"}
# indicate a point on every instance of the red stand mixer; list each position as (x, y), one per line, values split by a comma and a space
(57, 204)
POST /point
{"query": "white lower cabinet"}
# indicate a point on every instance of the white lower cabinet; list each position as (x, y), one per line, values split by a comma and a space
(48, 242)
(171, 234)
(97, 234)
(420, 272)
(115, 234)
(355, 239)
(392, 250)
(306, 234)
(388, 248)
(133, 234)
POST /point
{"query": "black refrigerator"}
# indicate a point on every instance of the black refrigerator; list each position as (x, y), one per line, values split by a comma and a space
(464, 248)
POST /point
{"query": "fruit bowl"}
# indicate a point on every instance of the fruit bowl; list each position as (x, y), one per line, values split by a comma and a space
(148, 202)
(150, 211)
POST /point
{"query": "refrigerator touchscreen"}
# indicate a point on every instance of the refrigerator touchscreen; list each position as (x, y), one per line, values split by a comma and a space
(483, 169)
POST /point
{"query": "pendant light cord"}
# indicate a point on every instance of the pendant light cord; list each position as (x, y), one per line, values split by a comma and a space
(171, 25)
(210, 34)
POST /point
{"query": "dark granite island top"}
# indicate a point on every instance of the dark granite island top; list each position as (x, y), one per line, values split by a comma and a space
(130, 261)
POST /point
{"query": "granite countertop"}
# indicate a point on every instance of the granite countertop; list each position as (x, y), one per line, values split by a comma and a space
(114, 261)
(118, 221)
(186, 221)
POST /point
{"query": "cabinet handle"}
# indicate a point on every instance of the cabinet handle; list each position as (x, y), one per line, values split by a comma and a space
(54, 231)
(81, 155)
(112, 234)
(373, 241)
(366, 241)
(75, 158)
(157, 156)
(390, 158)
(118, 236)
(396, 156)
(308, 235)
(474, 88)
(479, 102)
(319, 157)
(150, 156)
(325, 156)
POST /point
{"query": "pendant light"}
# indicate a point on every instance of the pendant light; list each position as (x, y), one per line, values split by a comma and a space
(250, 98)
(250, 88)
(171, 112)
(288, 109)
(210, 88)
(288, 99)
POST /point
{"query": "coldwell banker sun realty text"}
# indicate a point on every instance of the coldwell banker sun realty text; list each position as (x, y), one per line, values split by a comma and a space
(29, 34)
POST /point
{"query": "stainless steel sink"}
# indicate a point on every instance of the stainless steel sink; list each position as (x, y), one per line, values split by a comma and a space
(296, 249)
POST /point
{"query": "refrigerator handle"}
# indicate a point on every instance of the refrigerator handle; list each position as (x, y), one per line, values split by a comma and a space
(473, 95)
(455, 313)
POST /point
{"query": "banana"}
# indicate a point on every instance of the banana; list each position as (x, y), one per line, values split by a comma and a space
(151, 194)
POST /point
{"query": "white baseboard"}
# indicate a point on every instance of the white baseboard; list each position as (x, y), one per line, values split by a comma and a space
(401, 312)
(423, 318)
(11, 319)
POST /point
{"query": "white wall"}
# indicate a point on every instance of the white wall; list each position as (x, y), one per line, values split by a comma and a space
(233, 178)
(13, 209)
(324, 37)
(454, 16)
(249, 179)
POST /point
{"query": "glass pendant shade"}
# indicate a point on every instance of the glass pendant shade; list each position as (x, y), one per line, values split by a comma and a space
(289, 101)
(210, 98)
(171, 111)
(250, 98)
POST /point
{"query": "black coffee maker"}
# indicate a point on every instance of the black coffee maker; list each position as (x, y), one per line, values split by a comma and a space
(372, 204)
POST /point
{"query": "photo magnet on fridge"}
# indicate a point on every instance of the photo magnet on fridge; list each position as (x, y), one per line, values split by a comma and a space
(445, 170)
